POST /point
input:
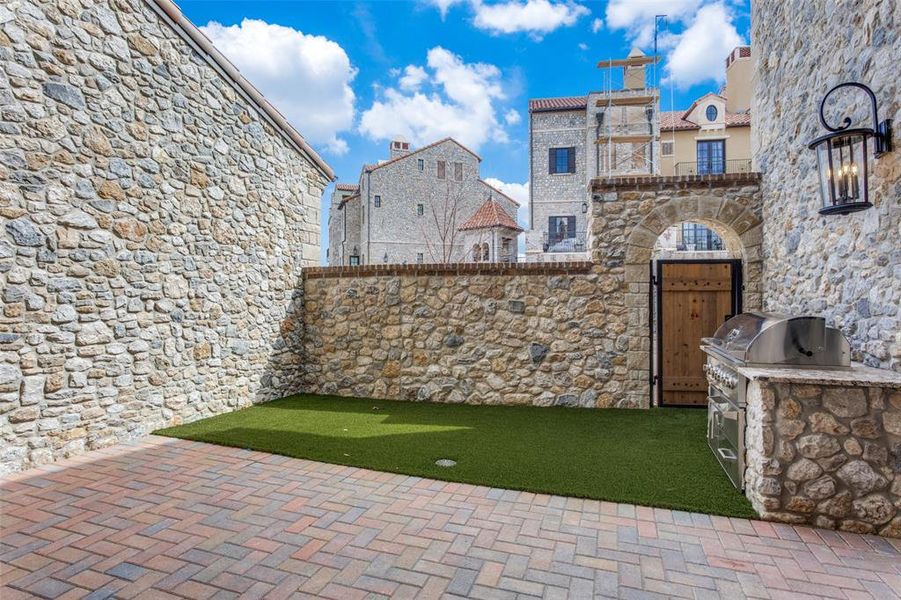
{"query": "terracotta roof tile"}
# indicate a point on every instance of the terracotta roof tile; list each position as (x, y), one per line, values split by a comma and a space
(561, 103)
(673, 121)
(346, 187)
(490, 214)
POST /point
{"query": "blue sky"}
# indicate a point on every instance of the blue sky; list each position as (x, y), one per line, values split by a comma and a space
(349, 75)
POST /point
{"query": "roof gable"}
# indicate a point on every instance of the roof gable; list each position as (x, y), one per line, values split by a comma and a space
(370, 168)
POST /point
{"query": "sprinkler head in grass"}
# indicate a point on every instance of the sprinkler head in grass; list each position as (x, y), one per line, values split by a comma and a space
(446, 462)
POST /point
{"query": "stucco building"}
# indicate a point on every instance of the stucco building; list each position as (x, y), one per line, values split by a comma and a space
(410, 209)
(714, 134)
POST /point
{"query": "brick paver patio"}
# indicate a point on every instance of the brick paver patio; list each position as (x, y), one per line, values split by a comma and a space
(166, 518)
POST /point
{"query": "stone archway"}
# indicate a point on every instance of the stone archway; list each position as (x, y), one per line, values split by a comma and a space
(627, 216)
(738, 227)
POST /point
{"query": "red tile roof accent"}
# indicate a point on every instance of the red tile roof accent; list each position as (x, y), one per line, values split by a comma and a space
(561, 103)
(673, 121)
(346, 187)
(418, 150)
(490, 214)
(742, 119)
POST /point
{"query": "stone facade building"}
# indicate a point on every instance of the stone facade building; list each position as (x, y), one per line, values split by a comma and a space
(575, 139)
(409, 208)
(154, 214)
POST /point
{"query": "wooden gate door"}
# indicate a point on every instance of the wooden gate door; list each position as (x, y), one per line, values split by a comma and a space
(693, 300)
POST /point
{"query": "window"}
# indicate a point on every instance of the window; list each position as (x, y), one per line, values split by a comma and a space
(458, 171)
(666, 148)
(353, 261)
(419, 257)
(476, 253)
(485, 253)
(711, 157)
(560, 229)
(711, 113)
(441, 167)
(561, 160)
(420, 164)
(378, 201)
(697, 237)
(420, 210)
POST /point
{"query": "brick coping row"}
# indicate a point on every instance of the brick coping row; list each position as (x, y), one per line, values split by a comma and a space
(676, 181)
(419, 270)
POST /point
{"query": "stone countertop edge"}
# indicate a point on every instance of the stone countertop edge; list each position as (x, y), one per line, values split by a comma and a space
(857, 376)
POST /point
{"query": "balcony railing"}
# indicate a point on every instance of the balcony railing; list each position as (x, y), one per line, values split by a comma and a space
(713, 167)
(564, 242)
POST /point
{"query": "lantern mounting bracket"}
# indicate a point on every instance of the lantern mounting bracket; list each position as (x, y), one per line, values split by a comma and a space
(882, 131)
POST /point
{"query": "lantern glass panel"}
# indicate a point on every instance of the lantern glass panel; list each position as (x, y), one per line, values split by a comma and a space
(841, 161)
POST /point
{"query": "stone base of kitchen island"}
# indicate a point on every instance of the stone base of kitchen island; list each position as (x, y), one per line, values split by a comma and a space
(824, 447)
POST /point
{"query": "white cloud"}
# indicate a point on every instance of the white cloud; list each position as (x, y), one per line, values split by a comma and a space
(307, 77)
(697, 54)
(596, 25)
(412, 78)
(637, 16)
(535, 17)
(583, 46)
(444, 5)
(512, 117)
(517, 191)
(456, 100)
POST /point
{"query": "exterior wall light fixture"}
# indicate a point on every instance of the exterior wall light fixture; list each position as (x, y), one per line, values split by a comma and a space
(842, 158)
(584, 207)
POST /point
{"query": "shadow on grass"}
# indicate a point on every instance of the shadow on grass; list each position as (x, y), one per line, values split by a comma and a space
(655, 458)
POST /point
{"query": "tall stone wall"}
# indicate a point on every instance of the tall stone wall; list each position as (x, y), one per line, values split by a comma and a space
(482, 334)
(152, 227)
(842, 267)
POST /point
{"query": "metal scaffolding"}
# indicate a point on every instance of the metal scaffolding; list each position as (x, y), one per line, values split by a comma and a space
(628, 128)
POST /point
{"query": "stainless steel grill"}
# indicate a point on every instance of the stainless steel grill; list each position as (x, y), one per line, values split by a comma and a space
(758, 339)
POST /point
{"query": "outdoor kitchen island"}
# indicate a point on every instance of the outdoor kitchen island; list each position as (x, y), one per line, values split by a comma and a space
(824, 446)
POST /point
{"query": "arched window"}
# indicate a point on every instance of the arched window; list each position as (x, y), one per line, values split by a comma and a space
(476, 253)
(711, 113)
(485, 255)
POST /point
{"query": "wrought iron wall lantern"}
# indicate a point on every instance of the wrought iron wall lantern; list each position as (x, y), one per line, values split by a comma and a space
(842, 158)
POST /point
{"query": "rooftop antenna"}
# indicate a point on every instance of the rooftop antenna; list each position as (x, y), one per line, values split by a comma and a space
(657, 19)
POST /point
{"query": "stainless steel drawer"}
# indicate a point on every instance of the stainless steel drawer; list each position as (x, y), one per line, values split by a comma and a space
(731, 460)
(727, 419)
(725, 436)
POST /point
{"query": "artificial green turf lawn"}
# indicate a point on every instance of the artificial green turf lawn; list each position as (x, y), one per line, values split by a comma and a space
(651, 457)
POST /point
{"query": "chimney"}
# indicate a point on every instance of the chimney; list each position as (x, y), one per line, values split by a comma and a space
(399, 146)
(739, 75)
(634, 77)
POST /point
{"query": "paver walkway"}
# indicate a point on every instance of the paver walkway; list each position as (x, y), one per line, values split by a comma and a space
(167, 518)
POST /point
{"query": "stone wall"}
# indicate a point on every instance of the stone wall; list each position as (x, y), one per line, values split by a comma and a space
(482, 334)
(627, 217)
(842, 267)
(152, 227)
(825, 455)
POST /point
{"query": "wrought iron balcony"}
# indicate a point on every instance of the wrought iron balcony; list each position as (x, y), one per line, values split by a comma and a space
(569, 241)
(714, 167)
